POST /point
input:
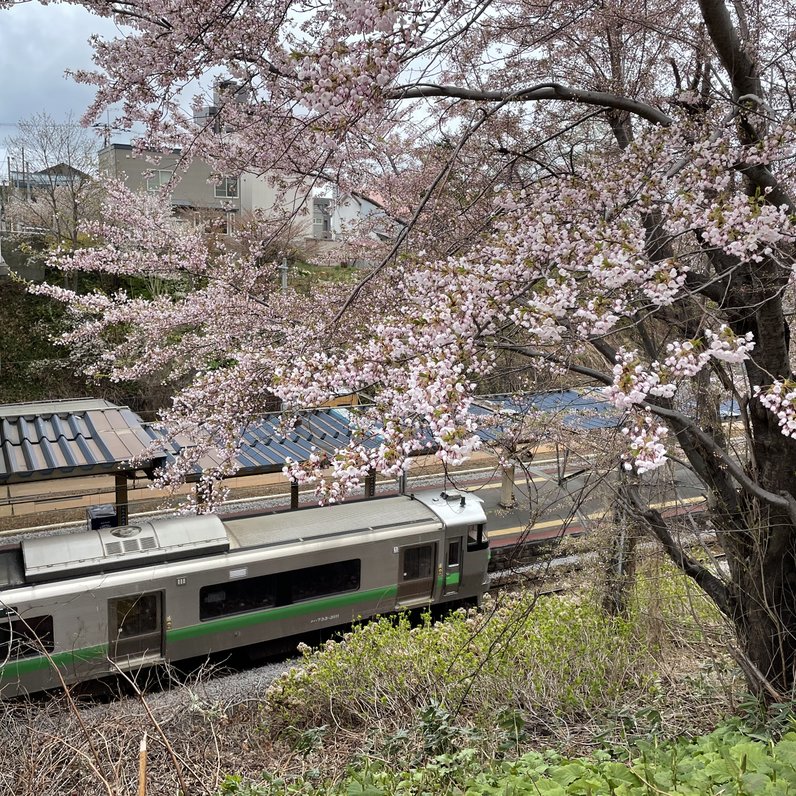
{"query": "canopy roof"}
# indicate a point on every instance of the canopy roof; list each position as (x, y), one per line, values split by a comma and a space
(59, 439)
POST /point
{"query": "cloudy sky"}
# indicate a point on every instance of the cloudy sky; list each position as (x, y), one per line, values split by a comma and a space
(37, 44)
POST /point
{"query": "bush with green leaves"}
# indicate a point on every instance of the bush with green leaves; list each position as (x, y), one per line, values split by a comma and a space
(522, 658)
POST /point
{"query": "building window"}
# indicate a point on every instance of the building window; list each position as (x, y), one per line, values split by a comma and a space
(227, 188)
(24, 638)
(322, 219)
(283, 588)
(157, 179)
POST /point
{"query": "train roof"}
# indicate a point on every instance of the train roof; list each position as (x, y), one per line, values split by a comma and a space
(71, 555)
(312, 523)
(454, 507)
(42, 559)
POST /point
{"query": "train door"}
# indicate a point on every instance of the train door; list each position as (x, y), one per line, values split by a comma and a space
(453, 566)
(135, 626)
(416, 572)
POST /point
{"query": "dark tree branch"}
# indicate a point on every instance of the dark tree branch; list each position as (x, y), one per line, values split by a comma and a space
(711, 287)
(746, 88)
(541, 91)
(703, 452)
(763, 178)
(749, 485)
(734, 58)
(535, 353)
(705, 579)
(713, 468)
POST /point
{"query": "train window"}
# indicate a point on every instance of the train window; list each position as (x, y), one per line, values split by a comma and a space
(11, 568)
(454, 553)
(24, 638)
(476, 538)
(136, 616)
(418, 562)
(268, 591)
(238, 596)
(312, 582)
(135, 626)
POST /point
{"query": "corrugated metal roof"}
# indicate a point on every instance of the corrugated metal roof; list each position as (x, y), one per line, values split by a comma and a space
(55, 439)
(268, 443)
(59, 406)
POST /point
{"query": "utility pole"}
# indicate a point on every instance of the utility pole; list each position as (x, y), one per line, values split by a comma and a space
(26, 176)
(5, 270)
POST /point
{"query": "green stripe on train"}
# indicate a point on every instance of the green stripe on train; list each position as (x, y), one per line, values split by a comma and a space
(14, 669)
(244, 620)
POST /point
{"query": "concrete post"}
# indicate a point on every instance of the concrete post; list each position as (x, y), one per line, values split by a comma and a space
(507, 499)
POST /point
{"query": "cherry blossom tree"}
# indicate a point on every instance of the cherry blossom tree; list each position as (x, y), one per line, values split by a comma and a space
(602, 189)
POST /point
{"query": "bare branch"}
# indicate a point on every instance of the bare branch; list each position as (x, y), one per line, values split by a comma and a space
(783, 501)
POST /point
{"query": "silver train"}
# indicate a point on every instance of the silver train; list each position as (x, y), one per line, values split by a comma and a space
(80, 606)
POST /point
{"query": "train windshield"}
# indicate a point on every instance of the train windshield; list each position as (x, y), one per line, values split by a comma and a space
(477, 538)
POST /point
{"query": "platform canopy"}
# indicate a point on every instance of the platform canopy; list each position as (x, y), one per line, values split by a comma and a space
(267, 444)
(583, 409)
(45, 440)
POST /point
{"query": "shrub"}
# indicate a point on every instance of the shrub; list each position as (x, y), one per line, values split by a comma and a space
(667, 607)
(530, 659)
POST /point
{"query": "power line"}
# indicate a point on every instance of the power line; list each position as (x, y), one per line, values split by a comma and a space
(56, 124)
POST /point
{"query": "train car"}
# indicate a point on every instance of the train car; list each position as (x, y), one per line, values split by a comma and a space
(78, 606)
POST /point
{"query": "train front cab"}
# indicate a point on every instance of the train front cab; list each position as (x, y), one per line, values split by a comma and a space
(449, 572)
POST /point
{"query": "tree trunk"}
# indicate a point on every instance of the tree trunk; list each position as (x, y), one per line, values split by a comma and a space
(765, 618)
(620, 566)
